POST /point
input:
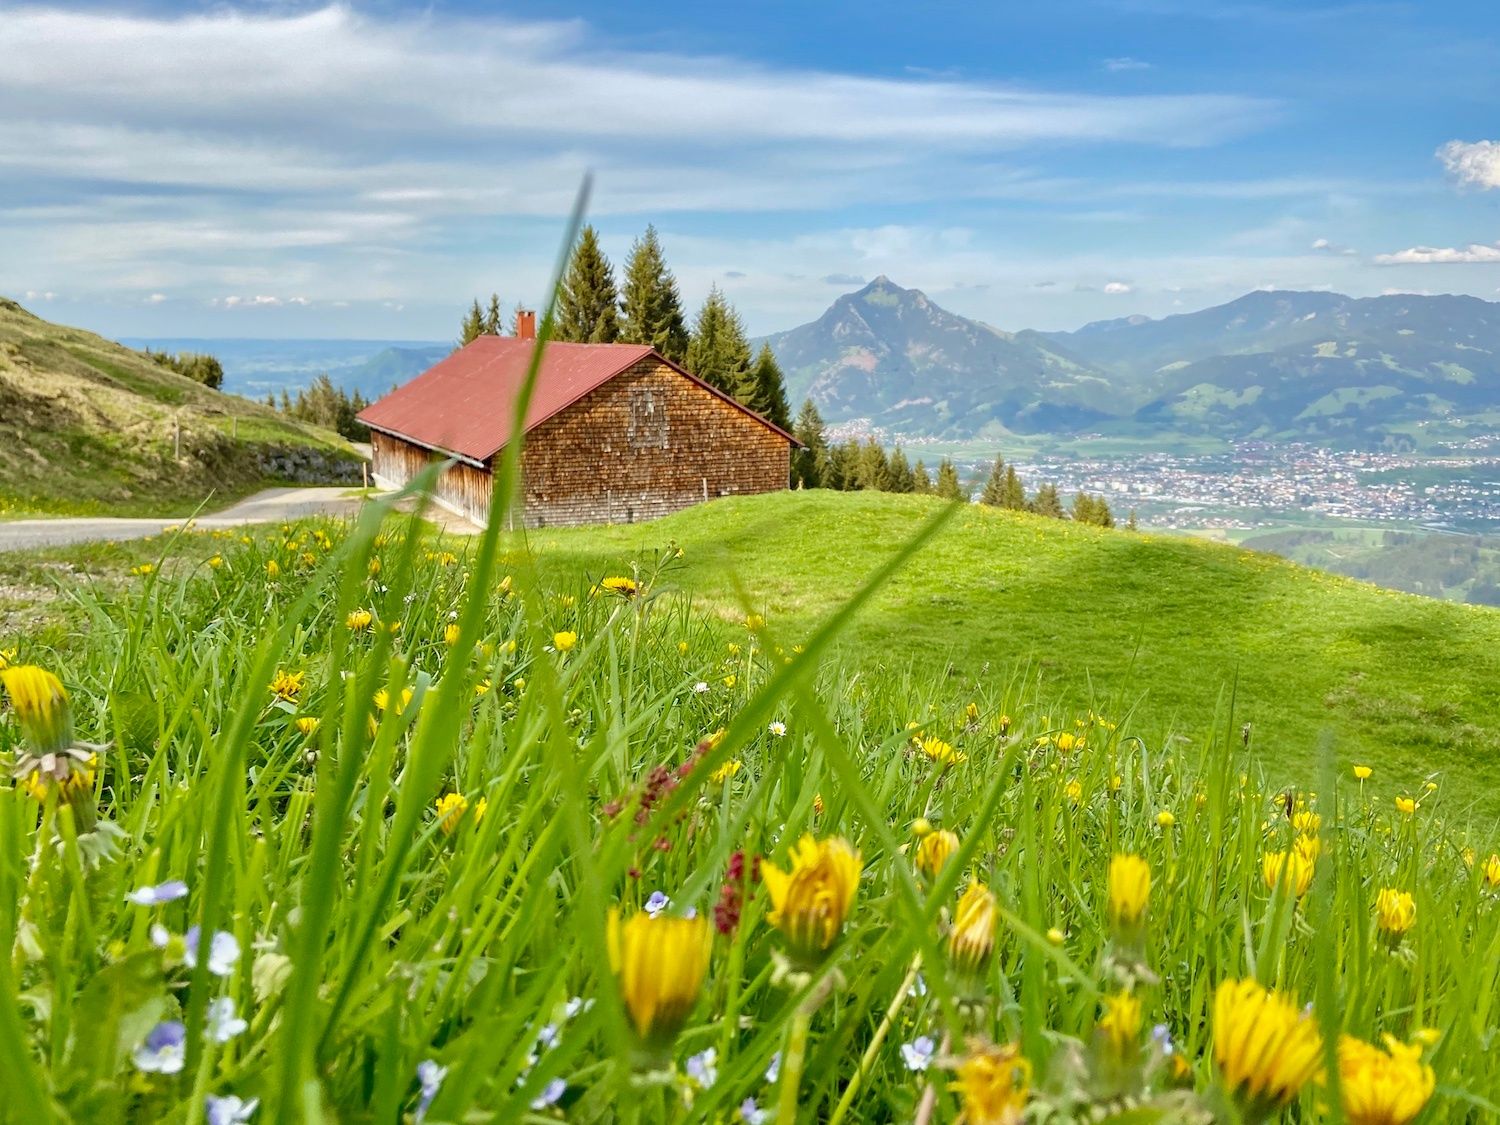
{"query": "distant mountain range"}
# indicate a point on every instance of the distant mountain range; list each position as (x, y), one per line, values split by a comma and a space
(1269, 365)
(255, 368)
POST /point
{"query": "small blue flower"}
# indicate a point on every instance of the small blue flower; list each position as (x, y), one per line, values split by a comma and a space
(550, 1095)
(430, 1077)
(773, 1072)
(701, 1069)
(1161, 1035)
(162, 1052)
(657, 903)
(918, 1053)
(223, 1024)
(576, 1007)
(169, 891)
(229, 1110)
(547, 1037)
(752, 1114)
(223, 950)
(918, 988)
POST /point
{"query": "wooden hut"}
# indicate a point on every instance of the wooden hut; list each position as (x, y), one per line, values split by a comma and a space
(614, 433)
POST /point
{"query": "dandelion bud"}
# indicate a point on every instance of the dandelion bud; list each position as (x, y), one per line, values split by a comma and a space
(810, 902)
(1119, 1028)
(1129, 890)
(52, 761)
(972, 939)
(41, 705)
(1290, 869)
(659, 963)
(1395, 912)
(934, 851)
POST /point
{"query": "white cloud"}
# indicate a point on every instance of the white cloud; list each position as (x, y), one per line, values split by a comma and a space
(1472, 164)
(1324, 246)
(1475, 252)
(1125, 62)
(156, 298)
(38, 295)
(1117, 287)
(257, 302)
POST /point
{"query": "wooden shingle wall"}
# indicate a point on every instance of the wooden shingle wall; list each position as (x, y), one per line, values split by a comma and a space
(646, 444)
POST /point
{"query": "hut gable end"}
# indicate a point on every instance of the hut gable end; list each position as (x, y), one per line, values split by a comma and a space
(647, 443)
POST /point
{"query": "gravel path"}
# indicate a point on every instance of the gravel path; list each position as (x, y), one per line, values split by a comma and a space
(264, 507)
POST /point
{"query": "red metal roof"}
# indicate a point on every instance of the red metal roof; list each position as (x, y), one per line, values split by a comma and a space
(464, 404)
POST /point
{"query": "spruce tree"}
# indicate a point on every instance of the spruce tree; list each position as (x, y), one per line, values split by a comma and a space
(948, 486)
(1092, 509)
(901, 477)
(1048, 503)
(719, 352)
(492, 316)
(921, 483)
(768, 390)
(650, 307)
(1131, 524)
(872, 469)
(588, 302)
(843, 466)
(994, 487)
(1012, 492)
(473, 326)
(810, 464)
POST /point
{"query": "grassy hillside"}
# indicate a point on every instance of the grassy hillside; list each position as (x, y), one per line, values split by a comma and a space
(1114, 620)
(447, 839)
(87, 426)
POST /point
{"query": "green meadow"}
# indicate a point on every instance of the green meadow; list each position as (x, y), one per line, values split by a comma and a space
(367, 824)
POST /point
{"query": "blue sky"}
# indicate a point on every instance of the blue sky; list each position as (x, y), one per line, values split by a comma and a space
(290, 169)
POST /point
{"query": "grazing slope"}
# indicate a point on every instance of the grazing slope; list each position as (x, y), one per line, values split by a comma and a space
(1113, 620)
(87, 425)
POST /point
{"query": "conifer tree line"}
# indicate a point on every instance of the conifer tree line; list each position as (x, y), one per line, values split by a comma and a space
(326, 405)
(200, 368)
(852, 465)
(644, 306)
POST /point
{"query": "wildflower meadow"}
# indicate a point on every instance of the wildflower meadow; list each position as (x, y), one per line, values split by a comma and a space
(349, 822)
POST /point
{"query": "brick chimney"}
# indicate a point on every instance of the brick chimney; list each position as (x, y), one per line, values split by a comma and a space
(525, 324)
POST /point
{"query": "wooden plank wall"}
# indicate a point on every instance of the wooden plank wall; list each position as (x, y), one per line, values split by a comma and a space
(461, 488)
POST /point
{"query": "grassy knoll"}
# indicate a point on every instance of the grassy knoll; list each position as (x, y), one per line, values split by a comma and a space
(360, 803)
(88, 426)
(1116, 620)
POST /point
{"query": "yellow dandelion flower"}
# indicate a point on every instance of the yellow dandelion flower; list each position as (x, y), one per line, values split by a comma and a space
(1056, 936)
(1363, 773)
(216, 561)
(1074, 790)
(1306, 822)
(621, 586)
(564, 641)
(682, 648)
(451, 632)
(993, 1083)
(811, 900)
(1067, 742)
(1120, 1025)
(1395, 912)
(1265, 1046)
(942, 752)
(273, 568)
(483, 687)
(144, 570)
(659, 963)
(287, 685)
(451, 809)
(382, 700)
(1291, 869)
(1492, 871)
(1406, 806)
(308, 725)
(1165, 819)
(375, 566)
(1129, 890)
(726, 771)
(754, 622)
(1383, 1087)
(934, 851)
(7, 658)
(359, 620)
(729, 681)
(971, 941)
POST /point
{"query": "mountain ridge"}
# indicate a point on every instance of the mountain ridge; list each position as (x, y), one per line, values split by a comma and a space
(1271, 364)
